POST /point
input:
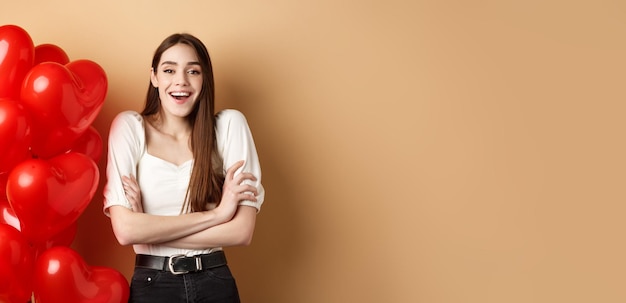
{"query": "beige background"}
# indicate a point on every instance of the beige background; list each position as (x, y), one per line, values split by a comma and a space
(413, 151)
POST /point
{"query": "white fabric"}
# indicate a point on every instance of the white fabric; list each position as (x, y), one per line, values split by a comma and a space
(164, 184)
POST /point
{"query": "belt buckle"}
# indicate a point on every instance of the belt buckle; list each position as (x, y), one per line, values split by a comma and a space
(170, 263)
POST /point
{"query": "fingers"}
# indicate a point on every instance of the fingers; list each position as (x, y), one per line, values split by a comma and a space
(242, 192)
(230, 174)
(248, 191)
(237, 189)
(130, 182)
(130, 185)
(236, 186)
(242, 177)
(132, 192)
(135, 206)
(247, 197)
(231, 170)
(243, 196)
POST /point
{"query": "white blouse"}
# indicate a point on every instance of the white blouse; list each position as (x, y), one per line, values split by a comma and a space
(164, 184)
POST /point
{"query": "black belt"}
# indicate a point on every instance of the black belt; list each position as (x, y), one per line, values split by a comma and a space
(181, 264)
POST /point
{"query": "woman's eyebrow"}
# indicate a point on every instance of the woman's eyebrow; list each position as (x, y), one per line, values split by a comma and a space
(174, 63)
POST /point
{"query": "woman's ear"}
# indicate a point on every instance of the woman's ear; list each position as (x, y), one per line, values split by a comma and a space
(153, 78)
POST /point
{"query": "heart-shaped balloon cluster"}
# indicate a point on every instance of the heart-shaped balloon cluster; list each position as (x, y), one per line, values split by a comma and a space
(48, 172)
(51, 191)
(58, 265)
(16, 268)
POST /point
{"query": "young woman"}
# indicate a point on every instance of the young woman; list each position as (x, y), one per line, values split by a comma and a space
(182, 181)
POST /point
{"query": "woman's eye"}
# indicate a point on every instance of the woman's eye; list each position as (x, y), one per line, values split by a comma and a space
(168, 71)
(194, 72)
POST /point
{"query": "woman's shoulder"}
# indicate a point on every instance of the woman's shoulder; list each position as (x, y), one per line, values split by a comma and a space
(128, 117)
(230, 116)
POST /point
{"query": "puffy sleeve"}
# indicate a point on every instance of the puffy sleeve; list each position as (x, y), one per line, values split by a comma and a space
(235, 142)
(125, 146)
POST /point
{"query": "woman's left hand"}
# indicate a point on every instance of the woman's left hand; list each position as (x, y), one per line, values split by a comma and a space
(133, 193)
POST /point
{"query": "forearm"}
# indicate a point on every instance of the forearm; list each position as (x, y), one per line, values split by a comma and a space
(140, 228)
(236, 232)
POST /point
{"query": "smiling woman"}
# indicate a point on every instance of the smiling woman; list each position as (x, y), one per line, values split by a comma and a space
(168, 192)
(178, 76)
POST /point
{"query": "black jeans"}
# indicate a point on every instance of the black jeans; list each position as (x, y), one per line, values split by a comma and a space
(212, 285)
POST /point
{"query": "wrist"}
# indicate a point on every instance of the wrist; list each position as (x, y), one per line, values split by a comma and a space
(217, 215)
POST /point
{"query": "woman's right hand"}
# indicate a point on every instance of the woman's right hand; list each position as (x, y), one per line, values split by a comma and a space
(133, 193)
(235, 190)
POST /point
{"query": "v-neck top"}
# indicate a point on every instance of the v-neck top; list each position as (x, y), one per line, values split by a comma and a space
(164, 184)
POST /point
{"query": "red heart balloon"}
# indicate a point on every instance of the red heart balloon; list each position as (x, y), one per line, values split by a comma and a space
(49, 195)
(50, 53)
(64, 238)
(7, 215)
(17, 54)
(90, 144)
(16, 266)
(3, 184)
(61, 275)
(63, 101)
(15, 134)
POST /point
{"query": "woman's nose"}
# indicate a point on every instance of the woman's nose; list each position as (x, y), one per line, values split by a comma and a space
(180, 79)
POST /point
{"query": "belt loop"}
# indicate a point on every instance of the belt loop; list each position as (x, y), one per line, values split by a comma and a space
(198, 263)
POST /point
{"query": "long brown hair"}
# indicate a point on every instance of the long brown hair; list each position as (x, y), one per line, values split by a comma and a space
(207, 178)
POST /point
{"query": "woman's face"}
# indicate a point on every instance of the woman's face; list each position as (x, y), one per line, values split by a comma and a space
(178, 78)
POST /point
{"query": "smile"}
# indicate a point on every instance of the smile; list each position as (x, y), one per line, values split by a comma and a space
(180, 94)
(180, 97)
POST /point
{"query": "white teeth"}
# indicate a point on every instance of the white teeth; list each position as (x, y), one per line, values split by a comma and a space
(180, 94)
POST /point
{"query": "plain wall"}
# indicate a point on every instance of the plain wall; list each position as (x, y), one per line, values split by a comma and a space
(412, 151)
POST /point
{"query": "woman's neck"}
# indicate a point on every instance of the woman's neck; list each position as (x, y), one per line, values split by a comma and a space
(175, 127)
